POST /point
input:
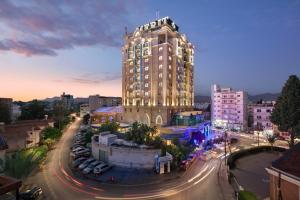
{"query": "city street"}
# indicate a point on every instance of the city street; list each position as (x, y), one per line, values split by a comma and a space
(58, 182)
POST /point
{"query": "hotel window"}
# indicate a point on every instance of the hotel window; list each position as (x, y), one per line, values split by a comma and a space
(160, 66)
(169, 75)
(170, 66)
(170, 58)
(160, 84)
(131, 71)
(131, 63)
(160, 75)
(146, 68)
(146, 60)
(160, 48)
(170, 49)
(146, 76)
(146, 85)
(146, 93)
(160, 58)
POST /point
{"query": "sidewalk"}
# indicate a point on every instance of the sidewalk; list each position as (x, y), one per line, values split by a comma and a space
(226, 188)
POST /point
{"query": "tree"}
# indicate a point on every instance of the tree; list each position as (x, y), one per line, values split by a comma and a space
(286, 112)
(33, 110)
(271, 139)
(5, 115)
(86, 119)
(59, 114)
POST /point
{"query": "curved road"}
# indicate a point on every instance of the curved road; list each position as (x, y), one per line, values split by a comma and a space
(201, 181)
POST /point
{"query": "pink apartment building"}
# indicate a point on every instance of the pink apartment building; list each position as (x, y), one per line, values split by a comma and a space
(228, 108)
(261, 116)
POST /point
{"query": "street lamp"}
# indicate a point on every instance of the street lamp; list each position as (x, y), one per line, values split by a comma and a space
(225, 142)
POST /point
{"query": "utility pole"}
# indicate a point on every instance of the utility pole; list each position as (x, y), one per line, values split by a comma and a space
(225, 135)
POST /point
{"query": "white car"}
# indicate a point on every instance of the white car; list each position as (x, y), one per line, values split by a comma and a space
(78, 149)
(86, 163)
(101, 168)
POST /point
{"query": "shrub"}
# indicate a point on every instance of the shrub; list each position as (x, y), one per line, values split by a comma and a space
(245, 152)
(246, 195)
(49, 142)
(51, 133)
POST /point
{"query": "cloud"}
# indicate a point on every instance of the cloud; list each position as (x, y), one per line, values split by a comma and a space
(92, 79)
(42, 27)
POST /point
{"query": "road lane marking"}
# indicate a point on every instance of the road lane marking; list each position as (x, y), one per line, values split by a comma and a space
(204, 176)
(199, 174)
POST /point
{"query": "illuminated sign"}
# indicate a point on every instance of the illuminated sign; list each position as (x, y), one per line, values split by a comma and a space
(157, 24)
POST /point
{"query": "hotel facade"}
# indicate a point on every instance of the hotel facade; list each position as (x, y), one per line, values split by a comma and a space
(228, 108)
(157, 73)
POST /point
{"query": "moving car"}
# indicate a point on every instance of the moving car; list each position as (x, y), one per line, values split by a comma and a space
(32, 194)
(184, 165)
(191, 158)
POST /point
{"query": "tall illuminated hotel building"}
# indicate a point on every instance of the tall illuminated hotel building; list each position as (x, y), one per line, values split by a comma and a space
(158, 73)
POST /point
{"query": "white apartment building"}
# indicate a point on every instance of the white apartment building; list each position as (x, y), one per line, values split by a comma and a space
(84, 109)
(261, 116)
(228, 108)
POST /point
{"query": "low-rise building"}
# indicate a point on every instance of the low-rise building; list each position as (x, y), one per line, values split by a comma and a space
(284, 176)
(97, 101)
(228, 108)
(24, 134)
(104, 114)
(84, 109)
(106, 147)
(16, 112)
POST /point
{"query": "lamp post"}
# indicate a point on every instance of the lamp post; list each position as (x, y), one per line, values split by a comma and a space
(225, 135)
(225, 142)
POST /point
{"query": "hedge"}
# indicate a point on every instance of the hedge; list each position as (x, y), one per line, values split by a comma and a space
(245, 152)
(246, 195)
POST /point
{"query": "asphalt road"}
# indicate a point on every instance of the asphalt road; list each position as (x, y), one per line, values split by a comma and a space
(201, 181)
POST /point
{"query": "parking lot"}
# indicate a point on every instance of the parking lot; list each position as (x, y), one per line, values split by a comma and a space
(81, 158)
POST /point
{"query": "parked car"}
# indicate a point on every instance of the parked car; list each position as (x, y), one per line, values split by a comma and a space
(86, 163)
(86, 155)
(82, 151)
(32, 194)
(78, 161)
(91, 166)
(79, 148)
(87, 170)
(101, 168)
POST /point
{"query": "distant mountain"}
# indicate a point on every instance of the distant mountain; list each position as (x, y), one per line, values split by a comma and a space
(202, 99)
(52, 99)
(253, 98)
(264, 96)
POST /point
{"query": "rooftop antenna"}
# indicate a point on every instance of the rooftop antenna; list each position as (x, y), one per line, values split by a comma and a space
(157, 14)
(125, 30)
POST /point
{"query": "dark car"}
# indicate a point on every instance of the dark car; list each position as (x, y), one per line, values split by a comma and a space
(32, 194)
(184, 165)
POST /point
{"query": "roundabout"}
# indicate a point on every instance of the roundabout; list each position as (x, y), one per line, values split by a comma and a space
(59, 182)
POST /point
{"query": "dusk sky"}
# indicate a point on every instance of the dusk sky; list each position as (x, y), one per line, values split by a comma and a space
(48, 47)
